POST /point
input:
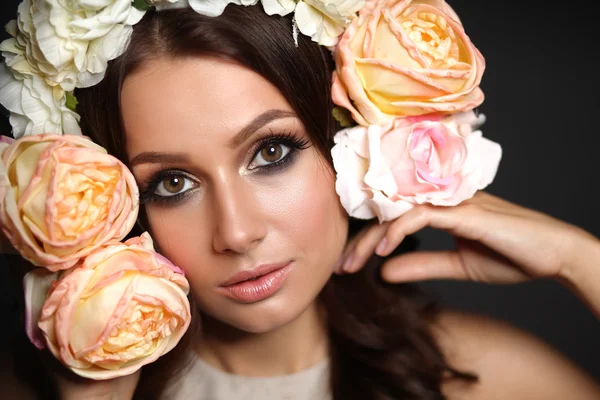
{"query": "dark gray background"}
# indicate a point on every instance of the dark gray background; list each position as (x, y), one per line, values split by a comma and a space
(541, 85)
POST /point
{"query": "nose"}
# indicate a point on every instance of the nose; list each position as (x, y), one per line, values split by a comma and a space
(239, 223)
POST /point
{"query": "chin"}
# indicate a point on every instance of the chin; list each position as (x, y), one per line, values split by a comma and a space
(262, 324)
(264, 316)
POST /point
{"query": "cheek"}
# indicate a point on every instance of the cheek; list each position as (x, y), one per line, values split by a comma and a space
(306, 210)
(179, 236)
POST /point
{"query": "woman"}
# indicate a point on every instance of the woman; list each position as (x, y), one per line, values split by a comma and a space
(227, 128)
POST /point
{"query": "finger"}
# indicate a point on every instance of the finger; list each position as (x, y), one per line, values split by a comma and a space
(471, 220)
(348, 249)
(364, 248)
(422, 266)
(410, 222)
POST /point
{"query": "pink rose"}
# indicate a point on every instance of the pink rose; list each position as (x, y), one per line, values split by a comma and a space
(384, 171)
(62, 196)
(122, 307)
(405, 58)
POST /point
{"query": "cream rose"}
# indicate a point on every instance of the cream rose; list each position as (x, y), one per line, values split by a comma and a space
(35, 107)
(278, 7)
(214, 8)
(62, 196)
(324, 21)
(123, 307)
(406, 58)
(168, 4)
(383, 171)
(69, 43)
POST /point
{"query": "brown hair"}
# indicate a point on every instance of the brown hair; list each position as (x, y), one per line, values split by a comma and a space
(381, 344)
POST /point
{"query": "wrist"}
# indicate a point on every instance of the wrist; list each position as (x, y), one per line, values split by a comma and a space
(582, 260)
(580, 270)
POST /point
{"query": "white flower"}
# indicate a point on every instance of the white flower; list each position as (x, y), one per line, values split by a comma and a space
(35, 107)
(350, 160)
(385, 170)
(278, 7)
(325, 20)
(168, 4)
(22, 53)
(69, 43)
(214, 8)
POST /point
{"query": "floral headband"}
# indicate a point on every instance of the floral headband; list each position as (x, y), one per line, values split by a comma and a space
(405, 86)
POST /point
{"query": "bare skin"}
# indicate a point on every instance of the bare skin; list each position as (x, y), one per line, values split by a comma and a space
(497, 242)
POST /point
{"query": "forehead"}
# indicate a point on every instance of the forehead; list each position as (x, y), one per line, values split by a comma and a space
(195, 101)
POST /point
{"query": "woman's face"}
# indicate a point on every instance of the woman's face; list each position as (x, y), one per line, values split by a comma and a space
(234, 191)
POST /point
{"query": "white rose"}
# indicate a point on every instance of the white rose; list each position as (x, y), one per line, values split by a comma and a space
(350, 160)
(214, 8)
(69, 43)
(22, 53)
(385, 170)
(35, 107)
(278, 7)
(168, 4)
(324, 21)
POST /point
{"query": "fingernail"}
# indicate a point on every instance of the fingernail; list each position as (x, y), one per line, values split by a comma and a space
(348, 264)
(381, 246)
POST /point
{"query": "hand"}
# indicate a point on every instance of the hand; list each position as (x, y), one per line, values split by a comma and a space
(497, 242)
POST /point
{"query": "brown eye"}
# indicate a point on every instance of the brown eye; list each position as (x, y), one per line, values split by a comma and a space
(173, 185)
(270, 154)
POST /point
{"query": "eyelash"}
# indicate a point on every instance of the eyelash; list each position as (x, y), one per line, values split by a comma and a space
(289, 139)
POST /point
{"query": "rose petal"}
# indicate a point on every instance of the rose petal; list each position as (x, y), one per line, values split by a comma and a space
(36, 285)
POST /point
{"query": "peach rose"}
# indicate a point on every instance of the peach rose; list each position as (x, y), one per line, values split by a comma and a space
(62, 196)
(122, 307)
(385, 170)
(406, 58)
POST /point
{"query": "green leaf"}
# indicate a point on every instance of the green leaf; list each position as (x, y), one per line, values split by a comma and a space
(140, 5)
(343, 116)
(71, 102)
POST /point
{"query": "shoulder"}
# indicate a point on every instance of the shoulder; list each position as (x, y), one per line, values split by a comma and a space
(509, 362)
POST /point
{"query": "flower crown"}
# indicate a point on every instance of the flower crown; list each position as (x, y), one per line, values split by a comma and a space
(405, 86)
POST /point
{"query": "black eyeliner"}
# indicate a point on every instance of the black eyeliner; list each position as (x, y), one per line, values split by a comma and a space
(147, 191)
(287, 139)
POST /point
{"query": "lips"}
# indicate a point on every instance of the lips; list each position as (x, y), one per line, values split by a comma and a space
(254, 273)
(256, 284)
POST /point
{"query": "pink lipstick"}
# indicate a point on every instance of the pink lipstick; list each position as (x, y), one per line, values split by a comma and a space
(256, 284)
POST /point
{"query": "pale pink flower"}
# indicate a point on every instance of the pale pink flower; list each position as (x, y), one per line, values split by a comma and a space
(121, 308)
(62, 196)
(406, 58)
(383, 171)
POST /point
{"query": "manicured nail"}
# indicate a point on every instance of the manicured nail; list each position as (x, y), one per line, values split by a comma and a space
(348, 264)
(381, 246)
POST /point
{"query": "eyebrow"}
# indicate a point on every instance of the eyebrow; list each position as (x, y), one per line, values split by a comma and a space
(257, 123)
(153, 157)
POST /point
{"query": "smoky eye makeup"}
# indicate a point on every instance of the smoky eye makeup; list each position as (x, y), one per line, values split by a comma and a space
(271, 154)
(168, 186)
(275, 152)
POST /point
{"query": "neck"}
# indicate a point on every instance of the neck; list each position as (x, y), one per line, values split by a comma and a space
(291, 348)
